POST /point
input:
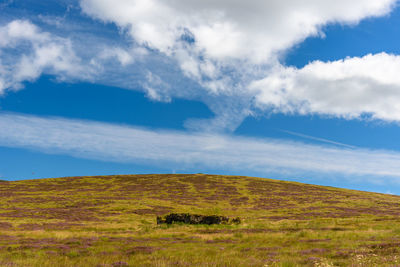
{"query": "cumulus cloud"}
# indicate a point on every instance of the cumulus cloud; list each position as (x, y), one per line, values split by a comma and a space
(232, 49)
(26, 52)
(350, 88)
(209, 39)
(230, 29)
(93, 140)
(224, 53)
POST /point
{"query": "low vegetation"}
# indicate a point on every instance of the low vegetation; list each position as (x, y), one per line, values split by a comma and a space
(112, 221)
(188, 218)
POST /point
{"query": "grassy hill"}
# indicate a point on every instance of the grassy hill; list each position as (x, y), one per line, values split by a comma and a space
(111, 221)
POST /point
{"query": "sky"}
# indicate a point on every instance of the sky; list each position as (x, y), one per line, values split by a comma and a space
(305, 91)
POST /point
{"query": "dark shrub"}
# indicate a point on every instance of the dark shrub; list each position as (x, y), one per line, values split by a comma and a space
(194, 219)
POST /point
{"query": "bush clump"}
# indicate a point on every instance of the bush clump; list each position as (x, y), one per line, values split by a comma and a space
(188, 218)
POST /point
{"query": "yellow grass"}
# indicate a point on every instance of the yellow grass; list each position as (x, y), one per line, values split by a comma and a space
(111, 221)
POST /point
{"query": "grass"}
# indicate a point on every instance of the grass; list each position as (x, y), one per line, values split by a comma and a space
(111, 221)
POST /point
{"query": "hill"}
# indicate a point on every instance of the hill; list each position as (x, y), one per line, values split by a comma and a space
(111, 221)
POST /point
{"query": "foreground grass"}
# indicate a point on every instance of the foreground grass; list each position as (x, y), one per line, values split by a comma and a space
(111, 221)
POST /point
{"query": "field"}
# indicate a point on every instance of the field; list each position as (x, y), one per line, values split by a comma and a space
(111, 221)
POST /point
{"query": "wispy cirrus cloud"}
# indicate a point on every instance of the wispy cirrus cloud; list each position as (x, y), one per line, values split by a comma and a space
(118, 143)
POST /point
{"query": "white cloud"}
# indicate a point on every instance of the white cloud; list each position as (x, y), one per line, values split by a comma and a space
(125, 57)
(26, 52)
(156, 88)
(228, 47)
(349, 88)
(224, 47)
(230, 29)
(211, 38)
(93, 140)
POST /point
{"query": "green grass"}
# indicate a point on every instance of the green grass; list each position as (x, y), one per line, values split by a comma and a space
(111, 221)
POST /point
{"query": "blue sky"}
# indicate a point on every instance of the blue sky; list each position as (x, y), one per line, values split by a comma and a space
(304, 92)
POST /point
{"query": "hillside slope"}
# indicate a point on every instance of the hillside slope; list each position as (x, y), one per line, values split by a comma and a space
(111, 221)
